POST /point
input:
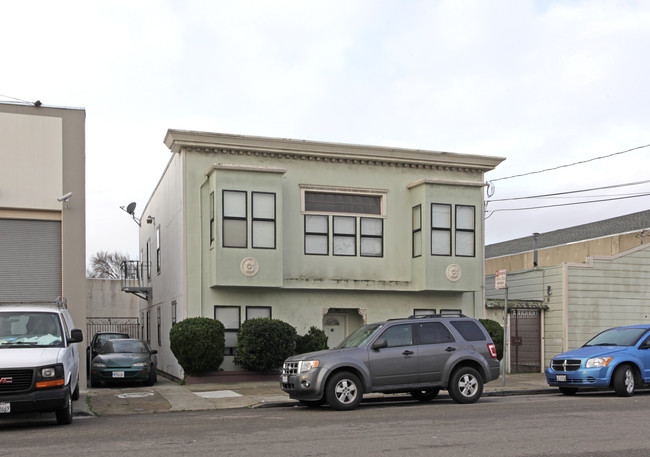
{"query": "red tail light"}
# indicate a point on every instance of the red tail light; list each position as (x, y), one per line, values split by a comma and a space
(493, 350)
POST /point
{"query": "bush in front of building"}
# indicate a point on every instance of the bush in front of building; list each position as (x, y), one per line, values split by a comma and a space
(496, 333)
(198, 343)
(263, 344)
(314, 340)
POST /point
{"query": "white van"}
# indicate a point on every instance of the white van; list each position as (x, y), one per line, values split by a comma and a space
(39, 360)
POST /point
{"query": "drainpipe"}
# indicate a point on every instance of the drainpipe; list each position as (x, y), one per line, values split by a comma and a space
(535, 239)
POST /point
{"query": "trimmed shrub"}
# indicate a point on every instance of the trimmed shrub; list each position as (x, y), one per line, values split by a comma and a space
(496, 333)
(198, 343)
(264, 344)
(314, 340)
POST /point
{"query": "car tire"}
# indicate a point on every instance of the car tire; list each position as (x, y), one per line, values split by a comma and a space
(64, 415)
(624, 380)
(343, 391)
(75, 393)
(425, 395)
(94, 383)
(568, 390)
(153, 377)
(465, 385)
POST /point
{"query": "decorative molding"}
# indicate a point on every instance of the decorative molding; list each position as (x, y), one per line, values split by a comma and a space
(249, 267)
(454, 272)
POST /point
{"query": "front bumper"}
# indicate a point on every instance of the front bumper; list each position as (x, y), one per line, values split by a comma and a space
(584, 377)
(42, 401)
(309, 385)
(120, 374)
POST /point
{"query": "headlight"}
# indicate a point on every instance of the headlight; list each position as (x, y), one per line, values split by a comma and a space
(99, 365)
(307, 365)
(49, 372)
(51, 376)
(598, 362)
(140, 364)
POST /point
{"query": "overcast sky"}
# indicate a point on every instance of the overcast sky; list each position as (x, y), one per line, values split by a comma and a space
(541, 83)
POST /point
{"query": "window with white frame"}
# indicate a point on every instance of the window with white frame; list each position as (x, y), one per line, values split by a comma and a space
(352, 223)
(440, 229)
(465, 231)
(230, 317)
(211, 230)
(158, 251)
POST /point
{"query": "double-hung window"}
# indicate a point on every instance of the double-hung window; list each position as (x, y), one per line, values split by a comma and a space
(457, 224)
(344, 223)
(236, 219)
(440, 229)
(235, 227)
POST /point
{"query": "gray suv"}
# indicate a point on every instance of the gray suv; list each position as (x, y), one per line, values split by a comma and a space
(419, 355)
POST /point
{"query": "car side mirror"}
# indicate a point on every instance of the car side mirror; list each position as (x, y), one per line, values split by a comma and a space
(154, 352)
(76, 336)
(380, 343)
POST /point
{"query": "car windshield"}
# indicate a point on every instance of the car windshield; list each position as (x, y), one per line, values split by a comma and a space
(359, 337)
(617, 337)
(30, 329)
(124, 346)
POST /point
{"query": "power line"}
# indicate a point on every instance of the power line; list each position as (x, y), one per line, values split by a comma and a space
(570, 164)
(568, 204)
(570, 192)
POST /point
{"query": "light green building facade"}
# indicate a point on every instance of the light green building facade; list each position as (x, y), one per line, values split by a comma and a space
(311, 233)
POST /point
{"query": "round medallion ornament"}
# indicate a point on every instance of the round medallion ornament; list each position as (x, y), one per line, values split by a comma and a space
(249, 267)
(453, 272)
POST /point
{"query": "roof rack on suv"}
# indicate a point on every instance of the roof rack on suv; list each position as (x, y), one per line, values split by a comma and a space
(424, 316)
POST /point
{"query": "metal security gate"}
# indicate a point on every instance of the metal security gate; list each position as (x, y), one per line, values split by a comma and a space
(128, 325)
(525, 341)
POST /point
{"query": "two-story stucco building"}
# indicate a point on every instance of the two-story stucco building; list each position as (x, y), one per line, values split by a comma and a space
(311, 233)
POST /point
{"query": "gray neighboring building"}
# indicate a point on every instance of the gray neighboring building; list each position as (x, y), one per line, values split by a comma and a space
(310, 233)
(566, 285)
(42, 241)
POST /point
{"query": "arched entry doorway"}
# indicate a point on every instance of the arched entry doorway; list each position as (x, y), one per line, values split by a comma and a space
(340, 322)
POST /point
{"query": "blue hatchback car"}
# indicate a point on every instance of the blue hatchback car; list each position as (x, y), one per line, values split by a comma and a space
(617, 358)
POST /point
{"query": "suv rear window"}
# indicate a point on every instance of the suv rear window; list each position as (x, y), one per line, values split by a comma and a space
(469, 330)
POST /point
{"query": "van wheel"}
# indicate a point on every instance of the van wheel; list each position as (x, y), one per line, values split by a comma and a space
(425, 395)
(624, 381)
(343, 391)
(64, 415)
(465, 385)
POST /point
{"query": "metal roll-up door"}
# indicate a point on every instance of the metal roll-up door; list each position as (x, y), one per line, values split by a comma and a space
(30, 260)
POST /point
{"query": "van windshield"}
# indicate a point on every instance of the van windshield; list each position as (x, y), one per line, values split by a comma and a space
(30, 329)
(360, 336)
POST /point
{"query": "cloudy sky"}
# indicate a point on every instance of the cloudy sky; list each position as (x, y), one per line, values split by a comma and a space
(542, 83)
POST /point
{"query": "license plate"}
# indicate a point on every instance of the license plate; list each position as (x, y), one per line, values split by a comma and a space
(5, 407)
(118, 374)
(560, 378)
(285, 379)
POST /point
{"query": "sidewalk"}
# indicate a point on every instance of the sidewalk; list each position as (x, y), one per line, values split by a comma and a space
(167, 395)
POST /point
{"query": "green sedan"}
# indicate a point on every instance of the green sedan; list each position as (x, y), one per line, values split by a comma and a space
(124, 360)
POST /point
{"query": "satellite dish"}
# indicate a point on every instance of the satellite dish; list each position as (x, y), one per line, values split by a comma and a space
(131, 208)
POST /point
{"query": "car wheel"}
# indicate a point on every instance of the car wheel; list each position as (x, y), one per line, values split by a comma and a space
(64, 415)
(93, 382)
(75, 393)
(569, 390)
(624, 381)
(425, 395)
(465, 385)
(153, 377)
(312, 403)
(343, 391)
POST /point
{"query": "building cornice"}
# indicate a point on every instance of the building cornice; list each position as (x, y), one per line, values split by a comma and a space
(227, 144)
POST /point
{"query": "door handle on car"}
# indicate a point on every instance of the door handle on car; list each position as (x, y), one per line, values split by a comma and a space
(407, 352)
(450, 349)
